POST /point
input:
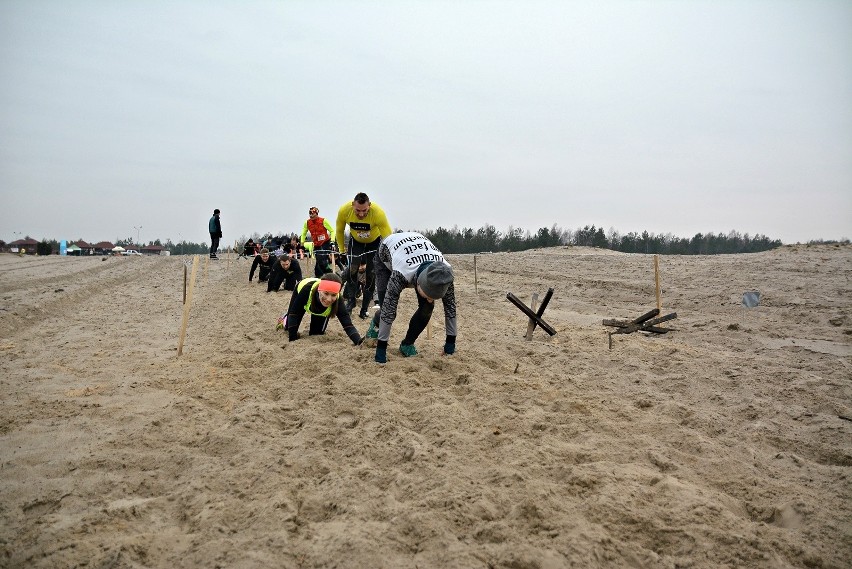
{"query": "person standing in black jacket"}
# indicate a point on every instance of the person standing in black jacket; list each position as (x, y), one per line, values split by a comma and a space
(215, 227)
(265, 262)
(285, 271)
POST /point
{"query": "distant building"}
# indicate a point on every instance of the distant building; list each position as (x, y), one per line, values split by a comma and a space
(85, 248)
(152, 250)
(28, 245)
(103, 248)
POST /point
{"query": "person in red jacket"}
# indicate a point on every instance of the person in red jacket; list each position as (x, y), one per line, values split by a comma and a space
(322, 236)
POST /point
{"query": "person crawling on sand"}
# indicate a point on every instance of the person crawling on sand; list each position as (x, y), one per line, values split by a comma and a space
(410, 260)
(321, 299)
(286, 272)
(265, 262)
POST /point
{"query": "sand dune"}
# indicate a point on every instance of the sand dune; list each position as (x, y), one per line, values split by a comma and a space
(725, 443)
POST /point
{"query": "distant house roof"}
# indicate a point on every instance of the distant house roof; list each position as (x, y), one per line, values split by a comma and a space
(153, 248)
(82, 244)
(23, 242)
(103, 245)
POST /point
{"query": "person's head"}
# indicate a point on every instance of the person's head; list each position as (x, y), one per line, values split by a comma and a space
(264, 254)
(313, 212)
(329, 289)
(361, 205)
(215, 212)
(434, 280)
(285, 261)
(294, 239)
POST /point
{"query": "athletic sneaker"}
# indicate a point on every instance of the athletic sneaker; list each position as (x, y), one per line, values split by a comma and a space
(407, 350)
(282, 322)
(372, 331)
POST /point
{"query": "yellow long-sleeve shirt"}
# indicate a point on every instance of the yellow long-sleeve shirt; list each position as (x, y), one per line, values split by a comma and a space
(366, 230)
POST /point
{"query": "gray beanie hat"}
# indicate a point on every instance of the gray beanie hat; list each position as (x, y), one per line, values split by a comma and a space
(435, 279)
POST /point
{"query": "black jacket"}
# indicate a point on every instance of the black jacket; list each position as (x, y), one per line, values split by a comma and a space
(297, 311)
(265, 267)
(288, 277)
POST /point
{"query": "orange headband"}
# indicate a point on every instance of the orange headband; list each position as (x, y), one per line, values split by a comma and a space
(330, 286)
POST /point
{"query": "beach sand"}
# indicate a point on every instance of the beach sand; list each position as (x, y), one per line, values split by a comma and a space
(725, 443)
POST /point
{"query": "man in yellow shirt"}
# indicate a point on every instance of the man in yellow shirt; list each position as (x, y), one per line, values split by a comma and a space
(367, 225)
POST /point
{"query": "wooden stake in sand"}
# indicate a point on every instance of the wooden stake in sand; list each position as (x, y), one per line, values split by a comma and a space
(657, 282)
(475, 281)
(531, 325)
(187, 304)
(184, 283)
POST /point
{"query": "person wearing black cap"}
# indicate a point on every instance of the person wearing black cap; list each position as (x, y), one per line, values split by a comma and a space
(410, 260)
(215, 227)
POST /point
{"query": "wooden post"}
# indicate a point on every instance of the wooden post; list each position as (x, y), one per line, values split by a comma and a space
(531, 325)
(657, 281)
(475, 281)
(184, 283)
(187, 305)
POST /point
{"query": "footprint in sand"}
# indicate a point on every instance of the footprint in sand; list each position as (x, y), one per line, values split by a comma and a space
(347, 420)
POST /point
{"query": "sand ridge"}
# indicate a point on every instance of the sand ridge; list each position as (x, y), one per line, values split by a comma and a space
(719, 444)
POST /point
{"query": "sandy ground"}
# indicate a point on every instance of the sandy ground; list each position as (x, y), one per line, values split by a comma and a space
(724, 443)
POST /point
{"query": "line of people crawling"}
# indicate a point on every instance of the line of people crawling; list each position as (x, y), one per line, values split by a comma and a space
(374, 261)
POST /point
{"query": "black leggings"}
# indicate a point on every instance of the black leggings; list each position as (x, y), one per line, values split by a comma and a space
(322, 260)
(362, 253)
(419, 319)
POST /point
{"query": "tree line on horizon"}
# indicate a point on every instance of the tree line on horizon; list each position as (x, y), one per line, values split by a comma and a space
(489, 239)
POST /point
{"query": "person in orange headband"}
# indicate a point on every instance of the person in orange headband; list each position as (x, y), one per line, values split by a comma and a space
(319, 297)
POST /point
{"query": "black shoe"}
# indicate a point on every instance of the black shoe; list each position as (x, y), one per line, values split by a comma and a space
(363, 315)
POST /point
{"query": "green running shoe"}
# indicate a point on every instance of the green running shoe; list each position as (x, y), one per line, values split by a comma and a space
(407, 350)
(372, 332)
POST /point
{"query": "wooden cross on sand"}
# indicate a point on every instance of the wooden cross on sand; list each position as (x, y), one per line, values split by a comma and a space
(645, 323)
(535, 317)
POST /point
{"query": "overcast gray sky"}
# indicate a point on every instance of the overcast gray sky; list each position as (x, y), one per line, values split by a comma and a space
(667, 116)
